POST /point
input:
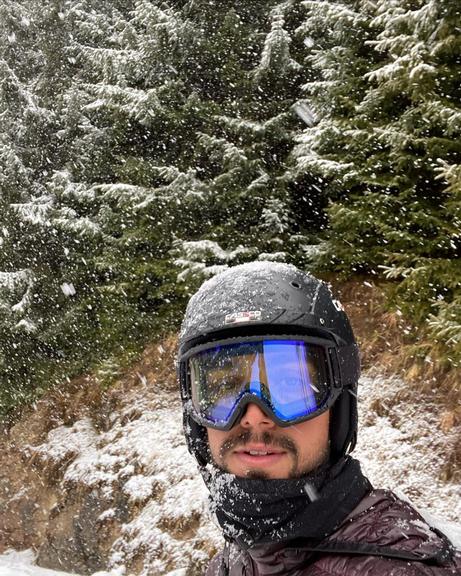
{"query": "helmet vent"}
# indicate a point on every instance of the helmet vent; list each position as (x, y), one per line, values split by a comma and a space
(296, 285)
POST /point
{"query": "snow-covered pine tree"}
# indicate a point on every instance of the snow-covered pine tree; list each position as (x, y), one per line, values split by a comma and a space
(131, 160)
(38, 260)
(442, 271)
(396, 214)
(19, 109)
(195, 102)
(250, 74)
(336, 57)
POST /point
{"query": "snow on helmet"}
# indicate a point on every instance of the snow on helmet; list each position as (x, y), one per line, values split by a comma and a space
(262, 298)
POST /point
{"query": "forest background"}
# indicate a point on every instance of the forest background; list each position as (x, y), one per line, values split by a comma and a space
(146, 145)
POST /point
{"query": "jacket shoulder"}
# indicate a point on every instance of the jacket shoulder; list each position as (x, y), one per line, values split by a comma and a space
(383, 535)
(383, 519)
(213, 566)
(384, 530)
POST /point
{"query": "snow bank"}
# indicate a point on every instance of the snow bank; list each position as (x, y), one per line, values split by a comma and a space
(142, 456)
(14, 563)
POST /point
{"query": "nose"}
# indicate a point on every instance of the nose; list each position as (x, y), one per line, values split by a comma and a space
(254, 417)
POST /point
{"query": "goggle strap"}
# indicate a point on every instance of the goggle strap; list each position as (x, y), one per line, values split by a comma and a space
(349, 371)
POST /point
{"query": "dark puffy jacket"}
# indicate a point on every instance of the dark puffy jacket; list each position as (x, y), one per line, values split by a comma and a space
(383, 536)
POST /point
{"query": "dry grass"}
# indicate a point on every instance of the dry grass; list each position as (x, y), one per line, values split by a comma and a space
(387, 344)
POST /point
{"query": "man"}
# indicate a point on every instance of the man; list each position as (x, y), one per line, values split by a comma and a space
(268, 368)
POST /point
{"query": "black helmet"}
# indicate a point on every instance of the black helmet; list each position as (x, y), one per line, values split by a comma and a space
(262, 298)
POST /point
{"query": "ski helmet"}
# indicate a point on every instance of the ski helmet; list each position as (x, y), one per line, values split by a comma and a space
(271, 298)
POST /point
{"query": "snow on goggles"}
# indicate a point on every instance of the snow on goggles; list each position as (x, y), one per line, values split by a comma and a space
(291, 379)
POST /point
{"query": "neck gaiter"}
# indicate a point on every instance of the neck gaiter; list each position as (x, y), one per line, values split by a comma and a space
(254, 511)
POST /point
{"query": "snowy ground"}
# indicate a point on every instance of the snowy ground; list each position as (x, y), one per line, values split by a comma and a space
(401, 448)
(22, 564)
(405, 448)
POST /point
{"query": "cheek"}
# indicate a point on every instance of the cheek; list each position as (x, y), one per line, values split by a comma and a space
(313, 435)
(215, 441)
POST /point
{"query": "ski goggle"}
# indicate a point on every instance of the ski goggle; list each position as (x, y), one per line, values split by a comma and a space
(291, 379)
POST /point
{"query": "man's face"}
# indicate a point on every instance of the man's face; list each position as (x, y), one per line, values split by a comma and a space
(257, 448)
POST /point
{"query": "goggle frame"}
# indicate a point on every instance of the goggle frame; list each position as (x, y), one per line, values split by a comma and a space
(335, 387)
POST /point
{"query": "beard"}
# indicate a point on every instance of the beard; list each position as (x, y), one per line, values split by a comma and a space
(298, 469)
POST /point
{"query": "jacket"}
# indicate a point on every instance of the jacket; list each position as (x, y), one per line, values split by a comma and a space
(382, 536)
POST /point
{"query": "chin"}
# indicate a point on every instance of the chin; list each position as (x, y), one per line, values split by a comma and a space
(257, 475)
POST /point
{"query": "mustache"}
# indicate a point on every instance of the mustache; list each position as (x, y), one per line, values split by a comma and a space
(241, 439)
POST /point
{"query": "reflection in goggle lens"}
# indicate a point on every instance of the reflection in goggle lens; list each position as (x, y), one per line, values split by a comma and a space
(290, 376)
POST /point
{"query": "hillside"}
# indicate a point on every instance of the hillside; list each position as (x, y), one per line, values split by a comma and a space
(93, 479)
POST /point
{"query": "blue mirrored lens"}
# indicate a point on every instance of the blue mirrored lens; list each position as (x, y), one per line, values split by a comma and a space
(290, 376)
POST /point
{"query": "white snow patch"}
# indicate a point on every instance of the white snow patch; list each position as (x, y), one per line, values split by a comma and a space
(14, 563)
(143, 455)
(25, 325)
(450, 529)
(139, 487)
(107, 515)
(273, 256)
(68, 289)
(193, 255)
(405, 448)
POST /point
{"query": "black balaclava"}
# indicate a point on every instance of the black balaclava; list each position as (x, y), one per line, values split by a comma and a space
(262, 511)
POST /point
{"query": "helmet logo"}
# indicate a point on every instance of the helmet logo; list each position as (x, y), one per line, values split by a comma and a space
(237, 317)
(337, 304)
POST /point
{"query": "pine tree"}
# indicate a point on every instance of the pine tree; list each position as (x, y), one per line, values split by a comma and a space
(382, 150)
(18, 107)
(193, 127)
(336, 56)
(36, 265)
